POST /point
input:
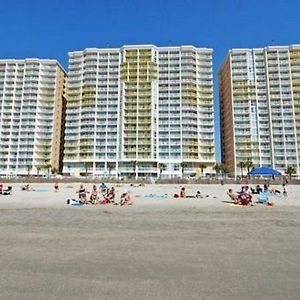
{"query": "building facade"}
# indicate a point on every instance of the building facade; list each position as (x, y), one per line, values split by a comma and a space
(31, 116)
(141, 111)
(260, 108)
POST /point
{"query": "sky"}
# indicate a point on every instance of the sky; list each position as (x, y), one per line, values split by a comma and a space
(52, 28)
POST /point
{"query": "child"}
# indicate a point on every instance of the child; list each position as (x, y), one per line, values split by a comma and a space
(198, 195)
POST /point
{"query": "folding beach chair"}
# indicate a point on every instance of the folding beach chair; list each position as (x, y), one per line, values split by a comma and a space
(263, 197)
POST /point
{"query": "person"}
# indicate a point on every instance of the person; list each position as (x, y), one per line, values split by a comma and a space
(7, 191)
(25, 187)
(284, 192)
(269, 189)
(233, 196)
(198, 195)
(103, 187)
(284, 185)
(245, 199)
(126, 199)
(182, 192)
(56, 187)
(110, 195)
(82, 194)
(245, 195)
(266, 187)
(258, 189)
(94, 195)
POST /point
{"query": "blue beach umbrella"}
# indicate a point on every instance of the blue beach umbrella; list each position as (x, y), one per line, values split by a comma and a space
(264, 171)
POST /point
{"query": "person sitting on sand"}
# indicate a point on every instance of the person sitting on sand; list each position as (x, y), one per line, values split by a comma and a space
(56, 187)
(269, 189)
(233, 196)
(103, 187)
(94, 195)
(182, 192)
(258, 189)
(82, 194)
(266, 187)
(25, 187)
(198, 195)
(245, 195)
(110, 195)
(126, 199)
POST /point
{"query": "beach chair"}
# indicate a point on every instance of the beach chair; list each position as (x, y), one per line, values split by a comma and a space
(263, 197)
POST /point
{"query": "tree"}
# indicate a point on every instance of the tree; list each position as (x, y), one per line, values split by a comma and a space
(134, 168)
(217, 168)
(249, 165)
(183, 165)
(48, 168)
(161, 167)
(110, 167)
(224, 169)
(54, 171)
(290, 171)
(38, 169)
(28, 167)
(87, 165)
(202, 167)
(242, 165)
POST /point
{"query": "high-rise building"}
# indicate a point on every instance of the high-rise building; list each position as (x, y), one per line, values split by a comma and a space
(31, 116)
(260, 108)
(142, 111)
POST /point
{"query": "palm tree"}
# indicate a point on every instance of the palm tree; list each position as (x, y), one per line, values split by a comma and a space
(38, 169)
(217, 168)
(202, 167)
(249, 165)
(224, 169)
(54, 171)
(110, 167)
(48, 168)
(161, 167)
(242, 165)
(134, 167)
(28, 167)
(87, 165)
(183, 165)
(290, 171)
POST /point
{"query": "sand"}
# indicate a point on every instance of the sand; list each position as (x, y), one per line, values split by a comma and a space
(154, 249)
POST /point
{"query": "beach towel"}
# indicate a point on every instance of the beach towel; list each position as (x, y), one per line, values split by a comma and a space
(41, 190)
(74, 202)
(157, 196)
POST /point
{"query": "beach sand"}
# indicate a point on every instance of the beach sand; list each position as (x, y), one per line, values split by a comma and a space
(155, 249)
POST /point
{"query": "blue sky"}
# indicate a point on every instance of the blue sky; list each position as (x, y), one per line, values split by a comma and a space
(49, 29)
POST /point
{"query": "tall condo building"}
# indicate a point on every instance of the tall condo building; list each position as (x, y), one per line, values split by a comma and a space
(142, 111)
(31, 116)
(260, 107)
